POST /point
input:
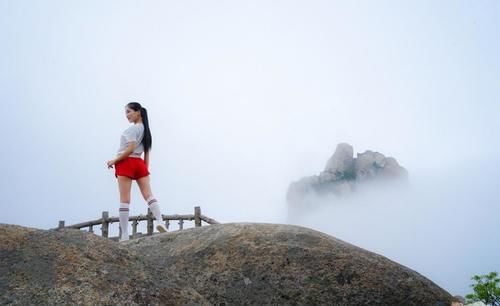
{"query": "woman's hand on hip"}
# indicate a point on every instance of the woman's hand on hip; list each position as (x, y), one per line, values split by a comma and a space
(110, 163)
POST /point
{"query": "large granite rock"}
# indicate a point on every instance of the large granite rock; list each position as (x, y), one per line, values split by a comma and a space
(342, 160)
(226, 264)
(343, 175)
(72, 267)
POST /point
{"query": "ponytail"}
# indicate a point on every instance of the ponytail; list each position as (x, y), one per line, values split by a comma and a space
(147, 139)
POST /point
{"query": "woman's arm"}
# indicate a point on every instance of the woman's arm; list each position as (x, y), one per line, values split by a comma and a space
(130, 148)
(127, 152)
(146, 158)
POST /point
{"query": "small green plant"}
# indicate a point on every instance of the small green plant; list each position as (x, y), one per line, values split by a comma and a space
(486, 289)
(348, 175)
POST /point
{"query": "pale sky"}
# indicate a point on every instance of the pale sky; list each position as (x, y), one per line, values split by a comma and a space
(245, 97)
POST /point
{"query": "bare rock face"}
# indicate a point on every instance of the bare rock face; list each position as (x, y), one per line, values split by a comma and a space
(374, 165)
(225, 264)
(343, 175)
(342, 160)
(271, 264)
(72, 267)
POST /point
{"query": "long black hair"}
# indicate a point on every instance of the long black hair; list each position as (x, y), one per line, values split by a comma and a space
(147, 140)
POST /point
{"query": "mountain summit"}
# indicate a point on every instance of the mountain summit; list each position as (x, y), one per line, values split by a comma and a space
(231, 264)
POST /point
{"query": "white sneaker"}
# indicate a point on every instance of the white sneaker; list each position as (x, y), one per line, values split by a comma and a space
(161, 228)
(124, 238)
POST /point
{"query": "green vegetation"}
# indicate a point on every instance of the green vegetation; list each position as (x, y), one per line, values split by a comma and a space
(486, 289)
(348, 175)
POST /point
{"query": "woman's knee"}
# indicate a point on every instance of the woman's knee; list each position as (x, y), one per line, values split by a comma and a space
(124, 186)
(144, 187)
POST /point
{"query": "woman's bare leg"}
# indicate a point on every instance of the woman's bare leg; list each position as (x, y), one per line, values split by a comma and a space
(145, 188)
(124, 186)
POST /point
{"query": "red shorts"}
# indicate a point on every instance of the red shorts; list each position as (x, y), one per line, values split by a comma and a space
(133, 167)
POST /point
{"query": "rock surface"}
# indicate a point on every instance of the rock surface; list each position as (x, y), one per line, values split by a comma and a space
(226, 264)
(72, 267)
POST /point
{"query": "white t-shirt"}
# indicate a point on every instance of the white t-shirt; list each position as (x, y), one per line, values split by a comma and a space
(134, 133)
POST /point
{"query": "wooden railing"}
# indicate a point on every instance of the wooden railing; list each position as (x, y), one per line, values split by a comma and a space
(105, 220)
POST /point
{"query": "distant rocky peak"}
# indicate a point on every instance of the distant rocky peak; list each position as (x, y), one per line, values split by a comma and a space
(343, 166)
(344, 174)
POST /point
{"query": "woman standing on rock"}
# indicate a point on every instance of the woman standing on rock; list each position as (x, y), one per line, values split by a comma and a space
(130, 166)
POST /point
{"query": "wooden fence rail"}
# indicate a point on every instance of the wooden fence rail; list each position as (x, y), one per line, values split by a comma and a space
(105, 220)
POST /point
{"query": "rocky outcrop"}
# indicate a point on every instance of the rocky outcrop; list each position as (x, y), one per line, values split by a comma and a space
(344, 174)
(72, 267)
(226, 264)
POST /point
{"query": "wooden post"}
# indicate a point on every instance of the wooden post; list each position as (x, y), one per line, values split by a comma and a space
(197, 216)
(167, 223)
(134, 227)
(61, 224)
(150, 222)
(181, 224)
(105, 224)
(91, 229)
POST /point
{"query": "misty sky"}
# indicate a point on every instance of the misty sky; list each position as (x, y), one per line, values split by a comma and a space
(245, 97)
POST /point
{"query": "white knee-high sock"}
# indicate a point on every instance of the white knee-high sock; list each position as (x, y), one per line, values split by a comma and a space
(155, 209)
(123, 216)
